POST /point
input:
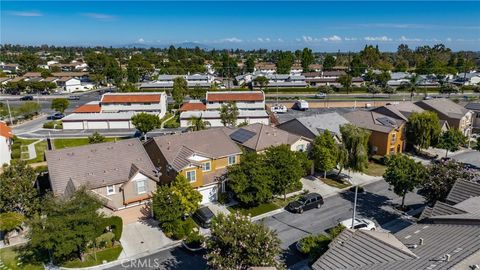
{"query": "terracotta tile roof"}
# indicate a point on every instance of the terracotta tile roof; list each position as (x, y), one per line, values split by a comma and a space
(5, 131)
(129, 98)
(193, 106)
(235, 96)
(88, 108)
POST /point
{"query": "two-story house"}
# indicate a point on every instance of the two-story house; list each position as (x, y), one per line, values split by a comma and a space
(202, 157)
(115, 110)
(456, 115)
(258, 137)
(387, 134)
(120, 174)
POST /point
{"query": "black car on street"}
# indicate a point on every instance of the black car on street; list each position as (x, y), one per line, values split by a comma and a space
(306, 202)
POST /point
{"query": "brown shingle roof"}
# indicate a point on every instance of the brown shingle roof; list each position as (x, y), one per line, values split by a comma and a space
(235, 96)
(69, 74)
(373, 121)
(97, 165)
(177, 148)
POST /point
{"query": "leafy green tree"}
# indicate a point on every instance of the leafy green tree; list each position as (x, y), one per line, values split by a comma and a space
(138, 68)
(250, 64)
(9, 222)
(229, 114)
(373, 89)
(28, 61)
(17, 189)
(29, 109)
(329, 62)
(197, 92)
(189, 197)
(127, 87)
(197, 123)
(60, 104)
(96, 138)
(356, 66)
(325, 152)
(451, 140)
(440, 178)
(67, 227)
(355, 141)
(477, 145)
(167, 206)
(307, 58)
(179, 89)
(449, 89)
(250, 179)
(146, 122)
(285, 169)
(46, 73)
(382, 78)
(237, 243)
(423, 129)
(346, 82)
(260, 81)
(404, 174)
(284, 62)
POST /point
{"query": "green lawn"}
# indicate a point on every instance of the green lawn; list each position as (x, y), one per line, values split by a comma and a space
(10, 258)
(72, 142)
(109, 254)
(40, 148)
(375, 169)
(276, 203)
(335, 183)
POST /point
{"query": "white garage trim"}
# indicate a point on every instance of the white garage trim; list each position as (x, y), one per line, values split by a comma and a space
(209, 193)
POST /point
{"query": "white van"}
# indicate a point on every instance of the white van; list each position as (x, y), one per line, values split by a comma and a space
(301, 105)
(279, 108)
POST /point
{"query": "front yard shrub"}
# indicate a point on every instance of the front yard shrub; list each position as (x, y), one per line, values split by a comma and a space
(105, 240)
(314, 245)
(183, 228)
(16, 153)
(223, 198)
(194, 239)
(49, 125)
(116, 225)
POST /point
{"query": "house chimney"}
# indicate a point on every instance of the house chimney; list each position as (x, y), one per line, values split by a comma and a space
(447, 257)
(420, 241)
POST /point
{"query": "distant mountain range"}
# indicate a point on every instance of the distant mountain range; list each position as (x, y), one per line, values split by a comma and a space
(187, 45)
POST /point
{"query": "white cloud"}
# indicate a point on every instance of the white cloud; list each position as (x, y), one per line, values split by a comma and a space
(26, 13)
(280, 40)
(267, 40)
(403, 38)
(141, 40)
(382, 38)
(333, 38)
(232, 40)
(307, 39)
(350, 39)
(448, 39)
(99, 16)
(260, 39)
(298, 40)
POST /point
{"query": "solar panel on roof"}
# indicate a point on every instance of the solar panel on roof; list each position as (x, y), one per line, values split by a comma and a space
(386, 121)
(242, 135)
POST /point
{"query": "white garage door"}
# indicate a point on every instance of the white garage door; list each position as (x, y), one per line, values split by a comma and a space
(72, 125)
(97, 125)
(209, 194)
(119, 124)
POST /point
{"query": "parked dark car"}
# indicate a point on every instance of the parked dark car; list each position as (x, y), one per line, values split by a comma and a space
(26, 98)
(57, 116)
(306, 202)
(203, 216)
(74, 98)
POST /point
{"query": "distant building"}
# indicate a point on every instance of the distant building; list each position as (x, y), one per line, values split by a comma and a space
(266, 67)
(6, 141)
(115, 110)
(283, 80)
(166, 81)
(475, 108)
(9, 68)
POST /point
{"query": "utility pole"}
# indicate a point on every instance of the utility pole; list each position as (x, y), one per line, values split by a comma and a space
(9, 113)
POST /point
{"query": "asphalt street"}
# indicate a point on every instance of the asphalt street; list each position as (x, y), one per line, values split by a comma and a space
(376, 203)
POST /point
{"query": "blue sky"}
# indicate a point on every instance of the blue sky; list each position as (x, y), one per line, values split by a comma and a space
(322, 26)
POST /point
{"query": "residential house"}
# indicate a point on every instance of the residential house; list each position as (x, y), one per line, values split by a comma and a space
(296, 69)
(6, 141)
(469, 78)
(214, 119)
(329, 78)
(399, 78)
(115, 110)
(9, 68)
(265, 67)
(284, 80)
(315, 67)
(193, 105)
(166, 81)
(258, 137)
(456, 115)
(387, 134)
(202, 157)
(119, 173)
(311, 126)
(475, 108)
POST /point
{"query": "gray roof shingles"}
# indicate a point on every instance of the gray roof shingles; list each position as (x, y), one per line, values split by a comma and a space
(463, 190)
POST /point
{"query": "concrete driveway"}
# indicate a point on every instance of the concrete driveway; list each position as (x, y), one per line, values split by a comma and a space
(142, 237)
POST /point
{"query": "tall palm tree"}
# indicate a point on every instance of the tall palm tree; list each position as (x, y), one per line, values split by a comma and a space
(412, 86)
(197, 123)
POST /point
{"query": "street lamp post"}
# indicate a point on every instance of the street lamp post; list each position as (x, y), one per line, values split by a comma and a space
(354, 202)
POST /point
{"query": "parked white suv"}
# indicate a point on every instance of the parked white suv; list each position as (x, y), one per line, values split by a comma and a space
(359, 224)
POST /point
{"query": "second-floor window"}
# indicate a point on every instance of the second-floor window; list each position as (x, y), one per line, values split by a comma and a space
(206, 166)
(191, 176)
(141, 187)
(232, 160)
(110, 190)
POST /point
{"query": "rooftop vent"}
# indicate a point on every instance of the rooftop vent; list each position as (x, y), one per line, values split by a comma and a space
(447, 257)
(420, 241)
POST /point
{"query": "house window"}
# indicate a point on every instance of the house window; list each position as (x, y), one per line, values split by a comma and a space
(110, 190)
(206, 166)
(141, 187)
(191, 176)
(232, 160)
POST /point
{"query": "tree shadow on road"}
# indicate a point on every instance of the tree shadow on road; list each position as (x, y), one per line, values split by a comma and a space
(184, 260)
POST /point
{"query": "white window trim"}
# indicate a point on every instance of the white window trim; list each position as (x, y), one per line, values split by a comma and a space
(228, 160)
(194, 176)
(209, 167)
(111, 193)
(144, 185)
